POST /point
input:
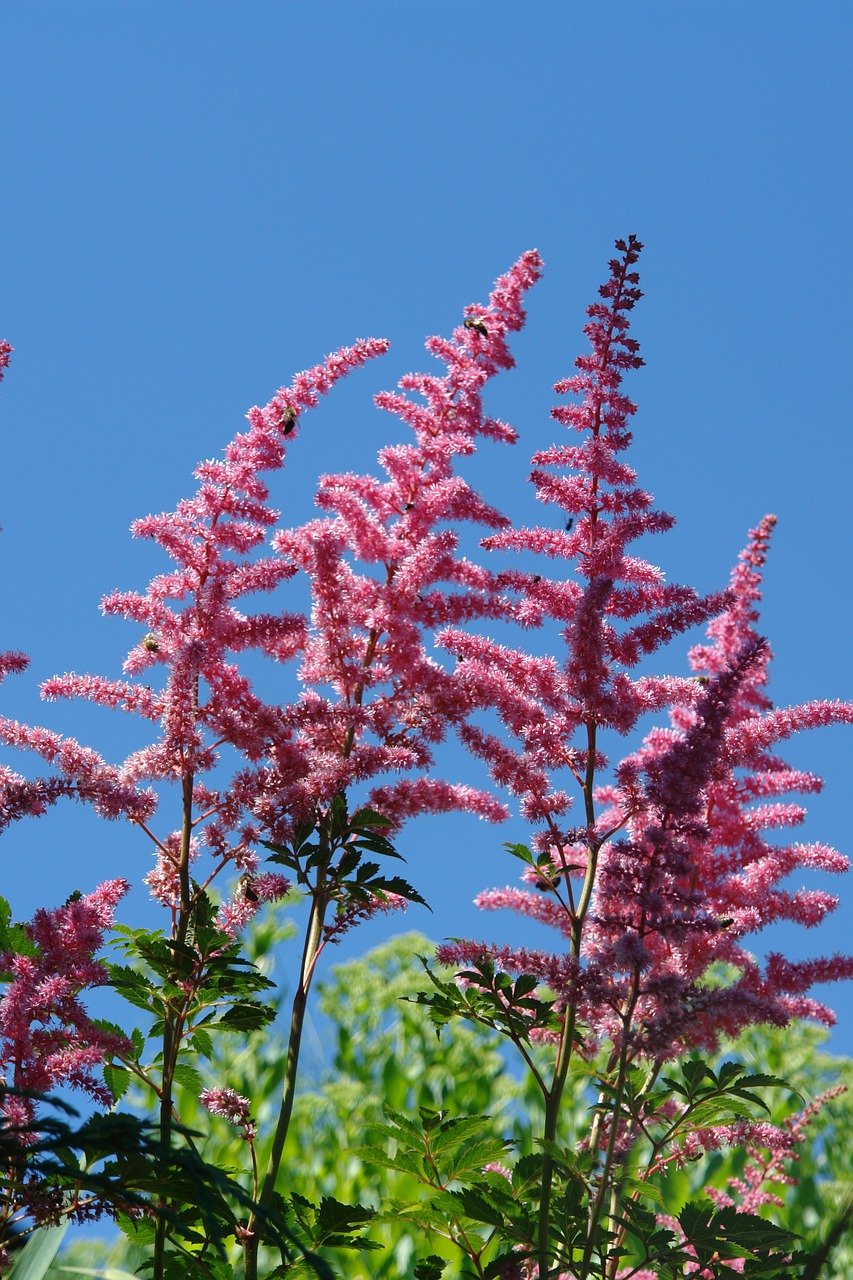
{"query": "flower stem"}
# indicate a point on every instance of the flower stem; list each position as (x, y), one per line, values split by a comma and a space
(173, 1022)
(312, 947)
(554, 1096)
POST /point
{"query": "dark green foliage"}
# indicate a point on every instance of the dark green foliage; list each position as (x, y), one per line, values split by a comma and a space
(208, 965)
(490, 998)
(334, 847)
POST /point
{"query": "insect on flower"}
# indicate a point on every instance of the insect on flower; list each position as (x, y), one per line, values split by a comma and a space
(475, 323)
(247, 888)
(288, 418)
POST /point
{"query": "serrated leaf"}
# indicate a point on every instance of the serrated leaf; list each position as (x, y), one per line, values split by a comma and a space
(473, 1158)
(189, 1078)
(716, 1111)
(457, 1130)
(403, 1161)
(369, 818)
(141, 1231)
(696, 1071)
(430, 1268)
(202, 1042)
(245, 1017)
(117, 1080)
(521, 852)
(332, 1215)
(524, 984)
(402, 1123)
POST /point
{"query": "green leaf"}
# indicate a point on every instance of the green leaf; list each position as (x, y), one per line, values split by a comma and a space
(245, 1017)
(141, 1231)
(454, 1132)
(695, 1072)
(33, 1262)
(117, 1081)
(202, 1043)
(430, 1268)
(335, 1222)
(189, 1078)
(403, 1161)
(369, 818)
(474, 1157)
(717, 1111)
(521, 852)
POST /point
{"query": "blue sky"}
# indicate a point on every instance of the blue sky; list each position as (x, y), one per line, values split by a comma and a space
(200, 199)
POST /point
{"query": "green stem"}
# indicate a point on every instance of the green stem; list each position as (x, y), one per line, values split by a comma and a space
(605, 1186)
(173, 1022)
(554, 1096)
(313, 942)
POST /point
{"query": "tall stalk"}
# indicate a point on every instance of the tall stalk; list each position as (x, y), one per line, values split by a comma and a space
(311, 950)
(554, 1096)
(173, 1019)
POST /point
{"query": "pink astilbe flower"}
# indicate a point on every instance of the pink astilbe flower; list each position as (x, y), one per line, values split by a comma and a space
(675, 852)
(46, 1037)
(227, 1103)
(6, 350)
(731, 883)
(82, 774)
(613, 611)
(384, 571)
(11, 660)
(695, 872)
(392, 702)
(247, 900)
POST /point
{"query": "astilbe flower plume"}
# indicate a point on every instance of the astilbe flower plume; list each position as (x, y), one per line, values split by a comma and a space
(730, 882)
(47, 1038)
(227, 1103)
(612, 611)
(373, 701)
(675, 866)
(390, 700)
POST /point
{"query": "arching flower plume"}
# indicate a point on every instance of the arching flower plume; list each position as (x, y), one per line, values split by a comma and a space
(613, 608)
(384, 572)
(737, 867)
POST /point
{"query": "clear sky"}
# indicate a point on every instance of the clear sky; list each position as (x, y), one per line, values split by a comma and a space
(199, 199)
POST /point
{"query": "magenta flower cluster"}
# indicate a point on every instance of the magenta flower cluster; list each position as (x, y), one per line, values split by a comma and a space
(672, 863)
(47, 1038)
